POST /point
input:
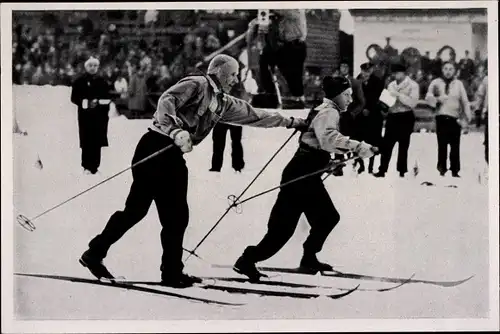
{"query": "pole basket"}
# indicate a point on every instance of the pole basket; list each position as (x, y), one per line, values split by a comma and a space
(233, 203)
(26, 223)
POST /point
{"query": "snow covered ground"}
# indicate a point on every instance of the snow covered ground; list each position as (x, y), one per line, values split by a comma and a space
(389, 227)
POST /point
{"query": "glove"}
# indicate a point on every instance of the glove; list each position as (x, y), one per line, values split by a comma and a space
(183, 140)
(299, 124)
(364, 150)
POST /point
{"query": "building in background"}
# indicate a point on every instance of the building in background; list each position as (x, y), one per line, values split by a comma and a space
(410, 33)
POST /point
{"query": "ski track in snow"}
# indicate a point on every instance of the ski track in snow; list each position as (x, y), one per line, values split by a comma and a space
(388, 227)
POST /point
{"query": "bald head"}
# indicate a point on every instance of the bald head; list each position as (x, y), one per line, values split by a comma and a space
(225, 68)
(221, 61)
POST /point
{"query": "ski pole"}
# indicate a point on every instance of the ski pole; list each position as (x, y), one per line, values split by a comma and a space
(319, 171)
(28, 223)
(234, 204)
(193, 252)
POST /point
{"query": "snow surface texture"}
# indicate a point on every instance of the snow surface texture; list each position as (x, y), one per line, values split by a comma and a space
(388, 227)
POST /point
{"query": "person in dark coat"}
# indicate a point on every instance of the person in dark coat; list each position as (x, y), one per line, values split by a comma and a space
(219, 135)
(91, 94)
(348, 119)
(308, 196)
(137, 92)
(370, 122)
(284, 46)
(185, 115)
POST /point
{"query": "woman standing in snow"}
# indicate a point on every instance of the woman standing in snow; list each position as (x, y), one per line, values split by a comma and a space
(91, 94)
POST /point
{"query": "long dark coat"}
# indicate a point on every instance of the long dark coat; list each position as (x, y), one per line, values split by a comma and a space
(92, 122)
(137, 91)
(369, 127)
(349, 118)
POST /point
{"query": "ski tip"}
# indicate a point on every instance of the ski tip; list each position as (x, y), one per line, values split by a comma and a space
(344, 294)
(398, 285)
(465, 280)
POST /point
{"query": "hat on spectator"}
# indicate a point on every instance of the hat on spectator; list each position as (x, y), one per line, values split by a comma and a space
(333, 86)
(92, 60)
(366, 66)
(344, 61)
(398, 67)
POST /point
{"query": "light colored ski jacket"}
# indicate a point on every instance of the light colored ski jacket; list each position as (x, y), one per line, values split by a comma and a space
(197, 103)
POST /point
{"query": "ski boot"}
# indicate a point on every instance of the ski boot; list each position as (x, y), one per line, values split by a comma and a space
(179, 281)
(310, 264)
(95, 266)
(247, 268)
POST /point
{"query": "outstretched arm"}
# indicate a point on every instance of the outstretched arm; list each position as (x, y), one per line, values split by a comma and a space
(240, 112)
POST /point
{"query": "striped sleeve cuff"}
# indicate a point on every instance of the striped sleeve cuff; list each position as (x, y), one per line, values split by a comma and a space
(174, 133)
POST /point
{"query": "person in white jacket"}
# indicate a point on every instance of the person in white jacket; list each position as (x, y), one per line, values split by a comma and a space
(449, 96)
(481, 103)
(400, 120)
(121, 86)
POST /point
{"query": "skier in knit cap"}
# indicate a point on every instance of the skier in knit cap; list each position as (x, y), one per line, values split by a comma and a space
(185, 115)
(308, 195)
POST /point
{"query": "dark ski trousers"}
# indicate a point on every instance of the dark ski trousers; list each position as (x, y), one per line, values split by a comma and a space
(164, 180)
(290, 59)
(219, 135)
(307, 196)
(398, 129)
(448, 132)
(91, 157)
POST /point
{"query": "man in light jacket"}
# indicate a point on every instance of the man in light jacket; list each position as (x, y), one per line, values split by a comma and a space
(481, 104)
(185, 115)
(400, 120)
(449, 96)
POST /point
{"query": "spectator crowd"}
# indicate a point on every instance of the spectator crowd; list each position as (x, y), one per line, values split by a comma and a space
(132, 68)
(139, 70)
